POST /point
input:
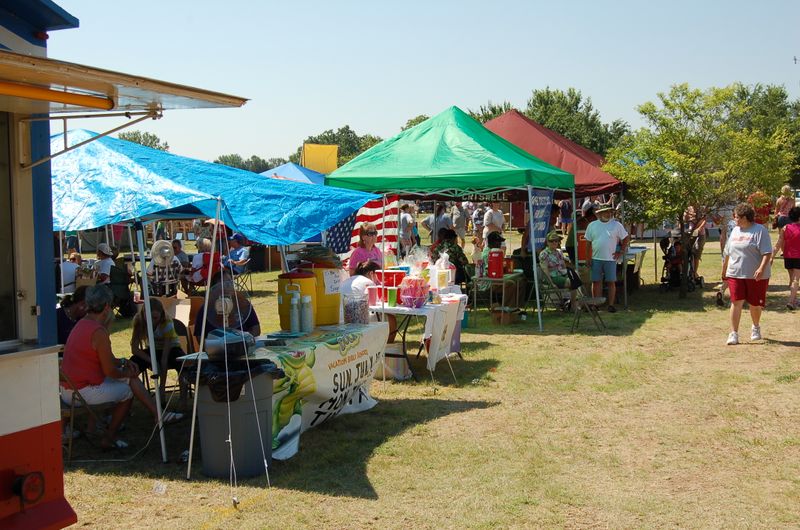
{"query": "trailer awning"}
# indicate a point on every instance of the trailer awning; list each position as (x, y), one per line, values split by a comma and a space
(38, 85)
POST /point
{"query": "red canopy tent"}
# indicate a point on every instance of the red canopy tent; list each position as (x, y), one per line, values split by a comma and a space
(556, 150)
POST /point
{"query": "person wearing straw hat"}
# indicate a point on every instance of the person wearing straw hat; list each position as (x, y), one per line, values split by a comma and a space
(609, 241)
(557, 268)
(105, 260)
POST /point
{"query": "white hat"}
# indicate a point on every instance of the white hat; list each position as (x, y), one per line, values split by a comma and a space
(105, 249)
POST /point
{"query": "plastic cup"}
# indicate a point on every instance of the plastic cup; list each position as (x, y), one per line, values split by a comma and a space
(392, 297)
(372, 294)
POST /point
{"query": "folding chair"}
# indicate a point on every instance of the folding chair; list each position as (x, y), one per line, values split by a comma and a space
(78, 403)
(548, 291)
(244, 280)
(188, 345)
(588, 304)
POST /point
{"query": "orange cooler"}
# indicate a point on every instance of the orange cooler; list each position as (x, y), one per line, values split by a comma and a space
(288, 283)
(327, 305)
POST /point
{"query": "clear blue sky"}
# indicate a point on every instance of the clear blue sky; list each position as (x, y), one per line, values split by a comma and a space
(311, 66)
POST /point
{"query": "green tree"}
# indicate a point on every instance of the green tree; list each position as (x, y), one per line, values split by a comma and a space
(699, 151)
(232, 160)
(350, 144)
(770, 109)
(144, 138)
(256, 164)
(414, 121)
(490, 111)
(574, 117)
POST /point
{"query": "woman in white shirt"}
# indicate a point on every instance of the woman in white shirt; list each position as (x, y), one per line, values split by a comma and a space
(68, 270)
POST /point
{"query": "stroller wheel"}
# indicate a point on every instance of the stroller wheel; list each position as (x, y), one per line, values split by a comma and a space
(701, 282)
(690, 287)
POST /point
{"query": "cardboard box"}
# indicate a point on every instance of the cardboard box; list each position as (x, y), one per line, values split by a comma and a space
(503, 318)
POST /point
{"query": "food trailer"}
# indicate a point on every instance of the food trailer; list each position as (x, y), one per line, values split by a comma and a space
(36, 91)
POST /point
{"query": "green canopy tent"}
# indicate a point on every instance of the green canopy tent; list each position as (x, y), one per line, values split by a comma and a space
(450, 155)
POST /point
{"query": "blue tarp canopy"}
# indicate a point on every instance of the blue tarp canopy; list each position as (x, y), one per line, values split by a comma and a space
(296, 172)
(110, 180)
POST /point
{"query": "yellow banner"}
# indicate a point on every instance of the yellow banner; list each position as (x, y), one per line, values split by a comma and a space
(322, 158)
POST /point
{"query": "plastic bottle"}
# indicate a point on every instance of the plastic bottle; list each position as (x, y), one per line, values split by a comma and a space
(294, 314)
(306, 315)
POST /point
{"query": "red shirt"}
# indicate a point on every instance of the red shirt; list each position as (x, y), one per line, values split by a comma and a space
(81, 362)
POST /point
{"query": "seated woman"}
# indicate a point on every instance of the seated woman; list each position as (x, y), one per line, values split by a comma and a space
(250, 324)
(69, 312)
(455, 254)
(97, 374)
(555, 266)
(165, 337)
(363, 277)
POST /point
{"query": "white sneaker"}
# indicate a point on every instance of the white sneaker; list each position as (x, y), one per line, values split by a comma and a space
(755, 333)
(733, 338)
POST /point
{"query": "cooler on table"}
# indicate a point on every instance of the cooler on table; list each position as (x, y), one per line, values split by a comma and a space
(495, 260)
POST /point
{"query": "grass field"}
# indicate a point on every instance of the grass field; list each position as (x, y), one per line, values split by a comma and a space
(653, 423)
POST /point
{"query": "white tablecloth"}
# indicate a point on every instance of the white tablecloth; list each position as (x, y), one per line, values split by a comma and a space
(440, 322)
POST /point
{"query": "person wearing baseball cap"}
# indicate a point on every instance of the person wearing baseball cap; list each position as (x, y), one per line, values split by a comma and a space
(238, 254)
(609, 241)
(104, 263)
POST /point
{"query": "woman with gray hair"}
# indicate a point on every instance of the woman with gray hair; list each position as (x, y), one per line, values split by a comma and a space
(97, 373)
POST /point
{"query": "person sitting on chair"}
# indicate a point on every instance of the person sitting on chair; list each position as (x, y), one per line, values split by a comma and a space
(448, 244)
(69, 312)
(557, 268)
(105, 260)
(251, 324)
(97, 374)
(237, 255)
(165, 337)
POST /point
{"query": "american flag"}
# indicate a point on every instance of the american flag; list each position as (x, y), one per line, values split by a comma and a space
(343, 237)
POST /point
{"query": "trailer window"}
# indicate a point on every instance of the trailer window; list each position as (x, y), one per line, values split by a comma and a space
(8, 302)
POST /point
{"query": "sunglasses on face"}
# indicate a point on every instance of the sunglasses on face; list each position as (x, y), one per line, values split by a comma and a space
(370, 233)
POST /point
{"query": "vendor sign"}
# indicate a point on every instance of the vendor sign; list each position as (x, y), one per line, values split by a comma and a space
(327, 373)
(540, 202)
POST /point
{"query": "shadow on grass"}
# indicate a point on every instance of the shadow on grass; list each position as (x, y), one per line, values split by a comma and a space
(332, 460)
(262, 293)
(333, 457)
(642, 305)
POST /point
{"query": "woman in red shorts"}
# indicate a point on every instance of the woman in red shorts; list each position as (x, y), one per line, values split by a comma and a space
(746, 268)
(789, 241)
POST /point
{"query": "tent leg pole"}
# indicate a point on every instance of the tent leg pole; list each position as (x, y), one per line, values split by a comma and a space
(61, 259)
(532, 239)
(202, 340)
(152, 343)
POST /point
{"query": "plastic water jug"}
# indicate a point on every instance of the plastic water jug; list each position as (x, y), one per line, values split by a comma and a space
(496, 263)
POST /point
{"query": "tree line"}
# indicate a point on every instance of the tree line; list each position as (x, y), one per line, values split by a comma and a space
(698, 147)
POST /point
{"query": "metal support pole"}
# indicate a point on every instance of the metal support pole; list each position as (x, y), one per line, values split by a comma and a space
(533, 259)
(151, 340)
(61, 260)
(202, 338)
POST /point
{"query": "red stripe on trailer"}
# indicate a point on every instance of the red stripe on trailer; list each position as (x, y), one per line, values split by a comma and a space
(27, 451)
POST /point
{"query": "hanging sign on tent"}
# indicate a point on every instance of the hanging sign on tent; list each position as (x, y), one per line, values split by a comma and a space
(540, 202)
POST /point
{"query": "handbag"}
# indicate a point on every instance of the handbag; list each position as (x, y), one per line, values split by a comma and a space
(574, 280)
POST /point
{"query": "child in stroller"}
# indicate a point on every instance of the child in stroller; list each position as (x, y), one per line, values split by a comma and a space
(672, 272)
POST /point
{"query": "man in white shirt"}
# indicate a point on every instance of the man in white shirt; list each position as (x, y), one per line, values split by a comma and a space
(493, 220)
(609, 241)
(68, 270)
(104, 263)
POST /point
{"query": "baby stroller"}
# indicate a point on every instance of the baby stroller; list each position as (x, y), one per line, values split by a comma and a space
(672, 272)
